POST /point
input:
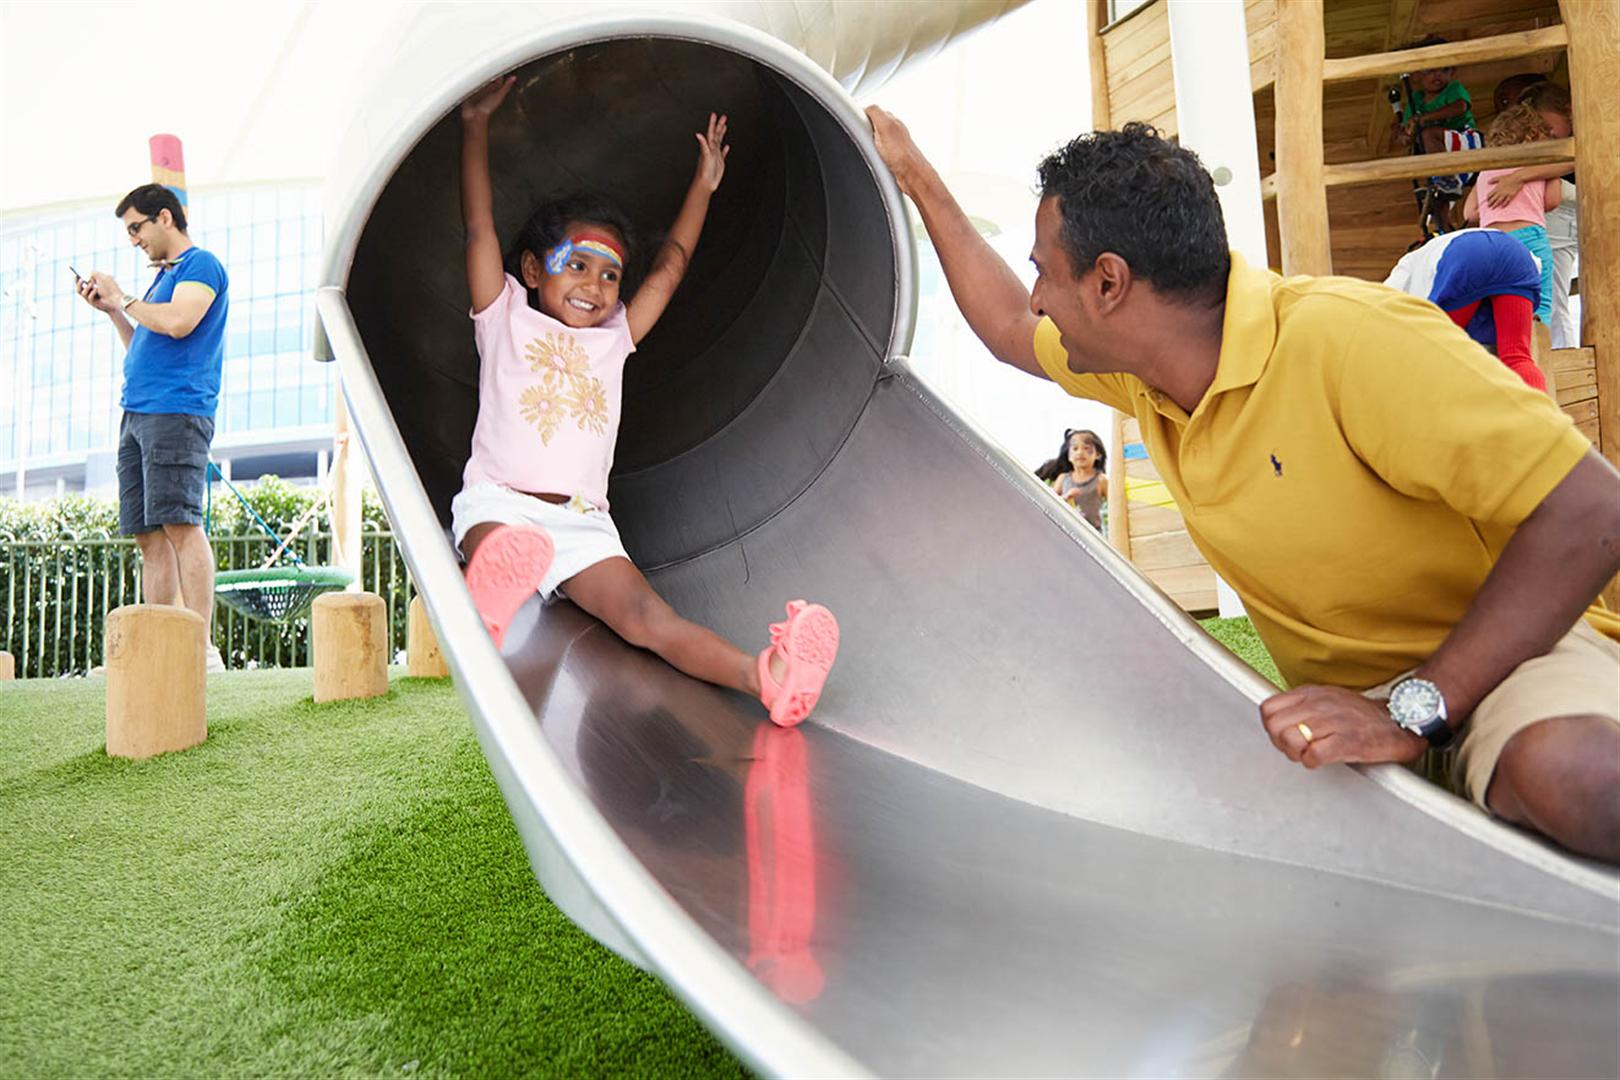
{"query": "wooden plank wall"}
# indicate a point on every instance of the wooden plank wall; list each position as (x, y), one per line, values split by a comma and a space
(1261, 15)
(1140, 84)
(1575, 373)
(1159, 544)
(1136, 52)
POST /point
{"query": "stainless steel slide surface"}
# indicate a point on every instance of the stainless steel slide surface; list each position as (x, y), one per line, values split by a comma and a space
(1034, 827)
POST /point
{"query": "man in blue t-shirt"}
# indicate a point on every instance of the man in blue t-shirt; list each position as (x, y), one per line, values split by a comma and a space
(174, 337)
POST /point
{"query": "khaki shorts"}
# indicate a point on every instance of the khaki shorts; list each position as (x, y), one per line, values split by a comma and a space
(1580, 677)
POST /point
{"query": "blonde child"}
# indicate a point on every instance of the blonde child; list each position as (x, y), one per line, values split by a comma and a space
(1552, 101)
(553, 336)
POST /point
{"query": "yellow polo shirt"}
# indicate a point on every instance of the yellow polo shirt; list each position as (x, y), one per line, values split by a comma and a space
(1353, 471)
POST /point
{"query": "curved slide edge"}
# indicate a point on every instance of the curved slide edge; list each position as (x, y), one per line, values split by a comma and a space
(583, 865)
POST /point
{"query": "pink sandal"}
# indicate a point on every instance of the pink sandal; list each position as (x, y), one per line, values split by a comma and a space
(808, 644)
(505, 570)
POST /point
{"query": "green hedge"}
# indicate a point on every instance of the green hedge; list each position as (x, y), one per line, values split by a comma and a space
(63, 566)
(74, 516)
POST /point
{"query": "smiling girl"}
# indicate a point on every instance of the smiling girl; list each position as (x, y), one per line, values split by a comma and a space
(553, 335)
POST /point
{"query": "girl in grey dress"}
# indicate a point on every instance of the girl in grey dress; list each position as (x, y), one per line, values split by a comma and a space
(1078, 474)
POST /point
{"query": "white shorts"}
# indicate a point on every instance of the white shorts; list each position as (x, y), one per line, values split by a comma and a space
(582, 537)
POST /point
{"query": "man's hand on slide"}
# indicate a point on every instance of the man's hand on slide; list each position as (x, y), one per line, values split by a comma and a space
(1318, 725)
(898, 152)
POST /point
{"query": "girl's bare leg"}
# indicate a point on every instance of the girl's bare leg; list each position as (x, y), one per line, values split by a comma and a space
(475, 536)
(616, 592)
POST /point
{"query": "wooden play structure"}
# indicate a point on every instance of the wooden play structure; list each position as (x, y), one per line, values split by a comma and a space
(1339, 198)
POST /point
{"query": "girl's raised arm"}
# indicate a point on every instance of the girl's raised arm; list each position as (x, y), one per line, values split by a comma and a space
(670, 264)
(485, 275)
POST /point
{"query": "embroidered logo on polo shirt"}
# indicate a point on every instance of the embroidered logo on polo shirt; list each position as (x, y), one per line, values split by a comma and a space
(1276, 466)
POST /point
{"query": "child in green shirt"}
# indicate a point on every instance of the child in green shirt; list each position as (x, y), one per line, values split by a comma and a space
(1439, 102)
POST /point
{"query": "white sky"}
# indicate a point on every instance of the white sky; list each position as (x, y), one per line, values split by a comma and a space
(83, 84)
(985, 112)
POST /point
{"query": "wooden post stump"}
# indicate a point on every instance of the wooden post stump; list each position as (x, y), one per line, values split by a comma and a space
(8, 666)
(423, 660)
(156, 680)
(349, 637)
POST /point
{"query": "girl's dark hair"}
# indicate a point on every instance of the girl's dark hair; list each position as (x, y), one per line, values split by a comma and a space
(1056, 467)
(1547, 96)
(548, 226)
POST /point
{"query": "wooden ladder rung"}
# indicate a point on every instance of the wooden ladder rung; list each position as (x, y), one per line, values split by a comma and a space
(1405, 166)
(1452, 54)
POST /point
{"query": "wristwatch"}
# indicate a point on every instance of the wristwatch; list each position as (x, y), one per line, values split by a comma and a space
(1418, 706)
(128, 299)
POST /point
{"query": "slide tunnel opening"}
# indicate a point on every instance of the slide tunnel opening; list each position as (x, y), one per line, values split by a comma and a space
(759, 369)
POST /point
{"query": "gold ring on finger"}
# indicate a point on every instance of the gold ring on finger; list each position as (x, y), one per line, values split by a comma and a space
(1305, 730)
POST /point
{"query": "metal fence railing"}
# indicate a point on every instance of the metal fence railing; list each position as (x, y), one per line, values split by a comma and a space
(55, 596)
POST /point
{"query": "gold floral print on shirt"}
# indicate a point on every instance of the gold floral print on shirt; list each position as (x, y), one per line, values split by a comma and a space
(587, 401)
(541, 408)
(560, 353)
(566, 389)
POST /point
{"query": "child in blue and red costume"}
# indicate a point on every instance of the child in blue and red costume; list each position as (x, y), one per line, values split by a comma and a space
(1488, 283)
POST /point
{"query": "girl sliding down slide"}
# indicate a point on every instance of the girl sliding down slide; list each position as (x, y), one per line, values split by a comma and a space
(553, 338)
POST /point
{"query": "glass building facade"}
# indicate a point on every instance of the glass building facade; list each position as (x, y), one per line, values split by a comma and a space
(61, 361)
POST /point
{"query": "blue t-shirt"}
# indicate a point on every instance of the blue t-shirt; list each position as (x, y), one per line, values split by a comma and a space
(179, 375)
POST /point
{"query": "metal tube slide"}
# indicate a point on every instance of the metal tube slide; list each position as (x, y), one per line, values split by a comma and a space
(1033, 828)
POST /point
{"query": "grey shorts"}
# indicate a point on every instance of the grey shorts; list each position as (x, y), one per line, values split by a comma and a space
(162, 470)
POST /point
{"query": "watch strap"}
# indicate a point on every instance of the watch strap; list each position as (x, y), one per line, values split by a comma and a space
(1437, 731)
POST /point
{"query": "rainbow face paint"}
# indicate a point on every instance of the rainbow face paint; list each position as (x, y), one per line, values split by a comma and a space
(589, 243)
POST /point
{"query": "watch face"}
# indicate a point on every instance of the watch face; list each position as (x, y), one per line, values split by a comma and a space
(1414, 703)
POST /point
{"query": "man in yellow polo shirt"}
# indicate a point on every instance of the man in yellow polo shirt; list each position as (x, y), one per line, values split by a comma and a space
(1415, 532)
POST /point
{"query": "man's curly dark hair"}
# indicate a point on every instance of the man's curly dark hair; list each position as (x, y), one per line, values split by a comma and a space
(1137, 194)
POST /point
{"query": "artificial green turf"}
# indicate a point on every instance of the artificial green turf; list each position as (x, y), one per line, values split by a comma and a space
(331, 889)
(317, 889)
(1238, 635)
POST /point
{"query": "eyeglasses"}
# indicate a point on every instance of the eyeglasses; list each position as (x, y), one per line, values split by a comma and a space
(134, 227)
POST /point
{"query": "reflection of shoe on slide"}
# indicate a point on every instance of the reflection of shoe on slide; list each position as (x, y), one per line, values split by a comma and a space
(807, 644)
(506, 569)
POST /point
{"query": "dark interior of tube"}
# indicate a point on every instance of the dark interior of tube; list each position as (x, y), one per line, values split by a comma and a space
(746, 388)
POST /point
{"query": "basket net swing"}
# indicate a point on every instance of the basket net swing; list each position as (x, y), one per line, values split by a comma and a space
(276, 593)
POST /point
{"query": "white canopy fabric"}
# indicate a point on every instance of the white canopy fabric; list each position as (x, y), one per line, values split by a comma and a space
(267, 91)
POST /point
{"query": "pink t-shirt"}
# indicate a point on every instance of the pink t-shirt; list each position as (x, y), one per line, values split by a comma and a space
(548, 399)
(1530, 204)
